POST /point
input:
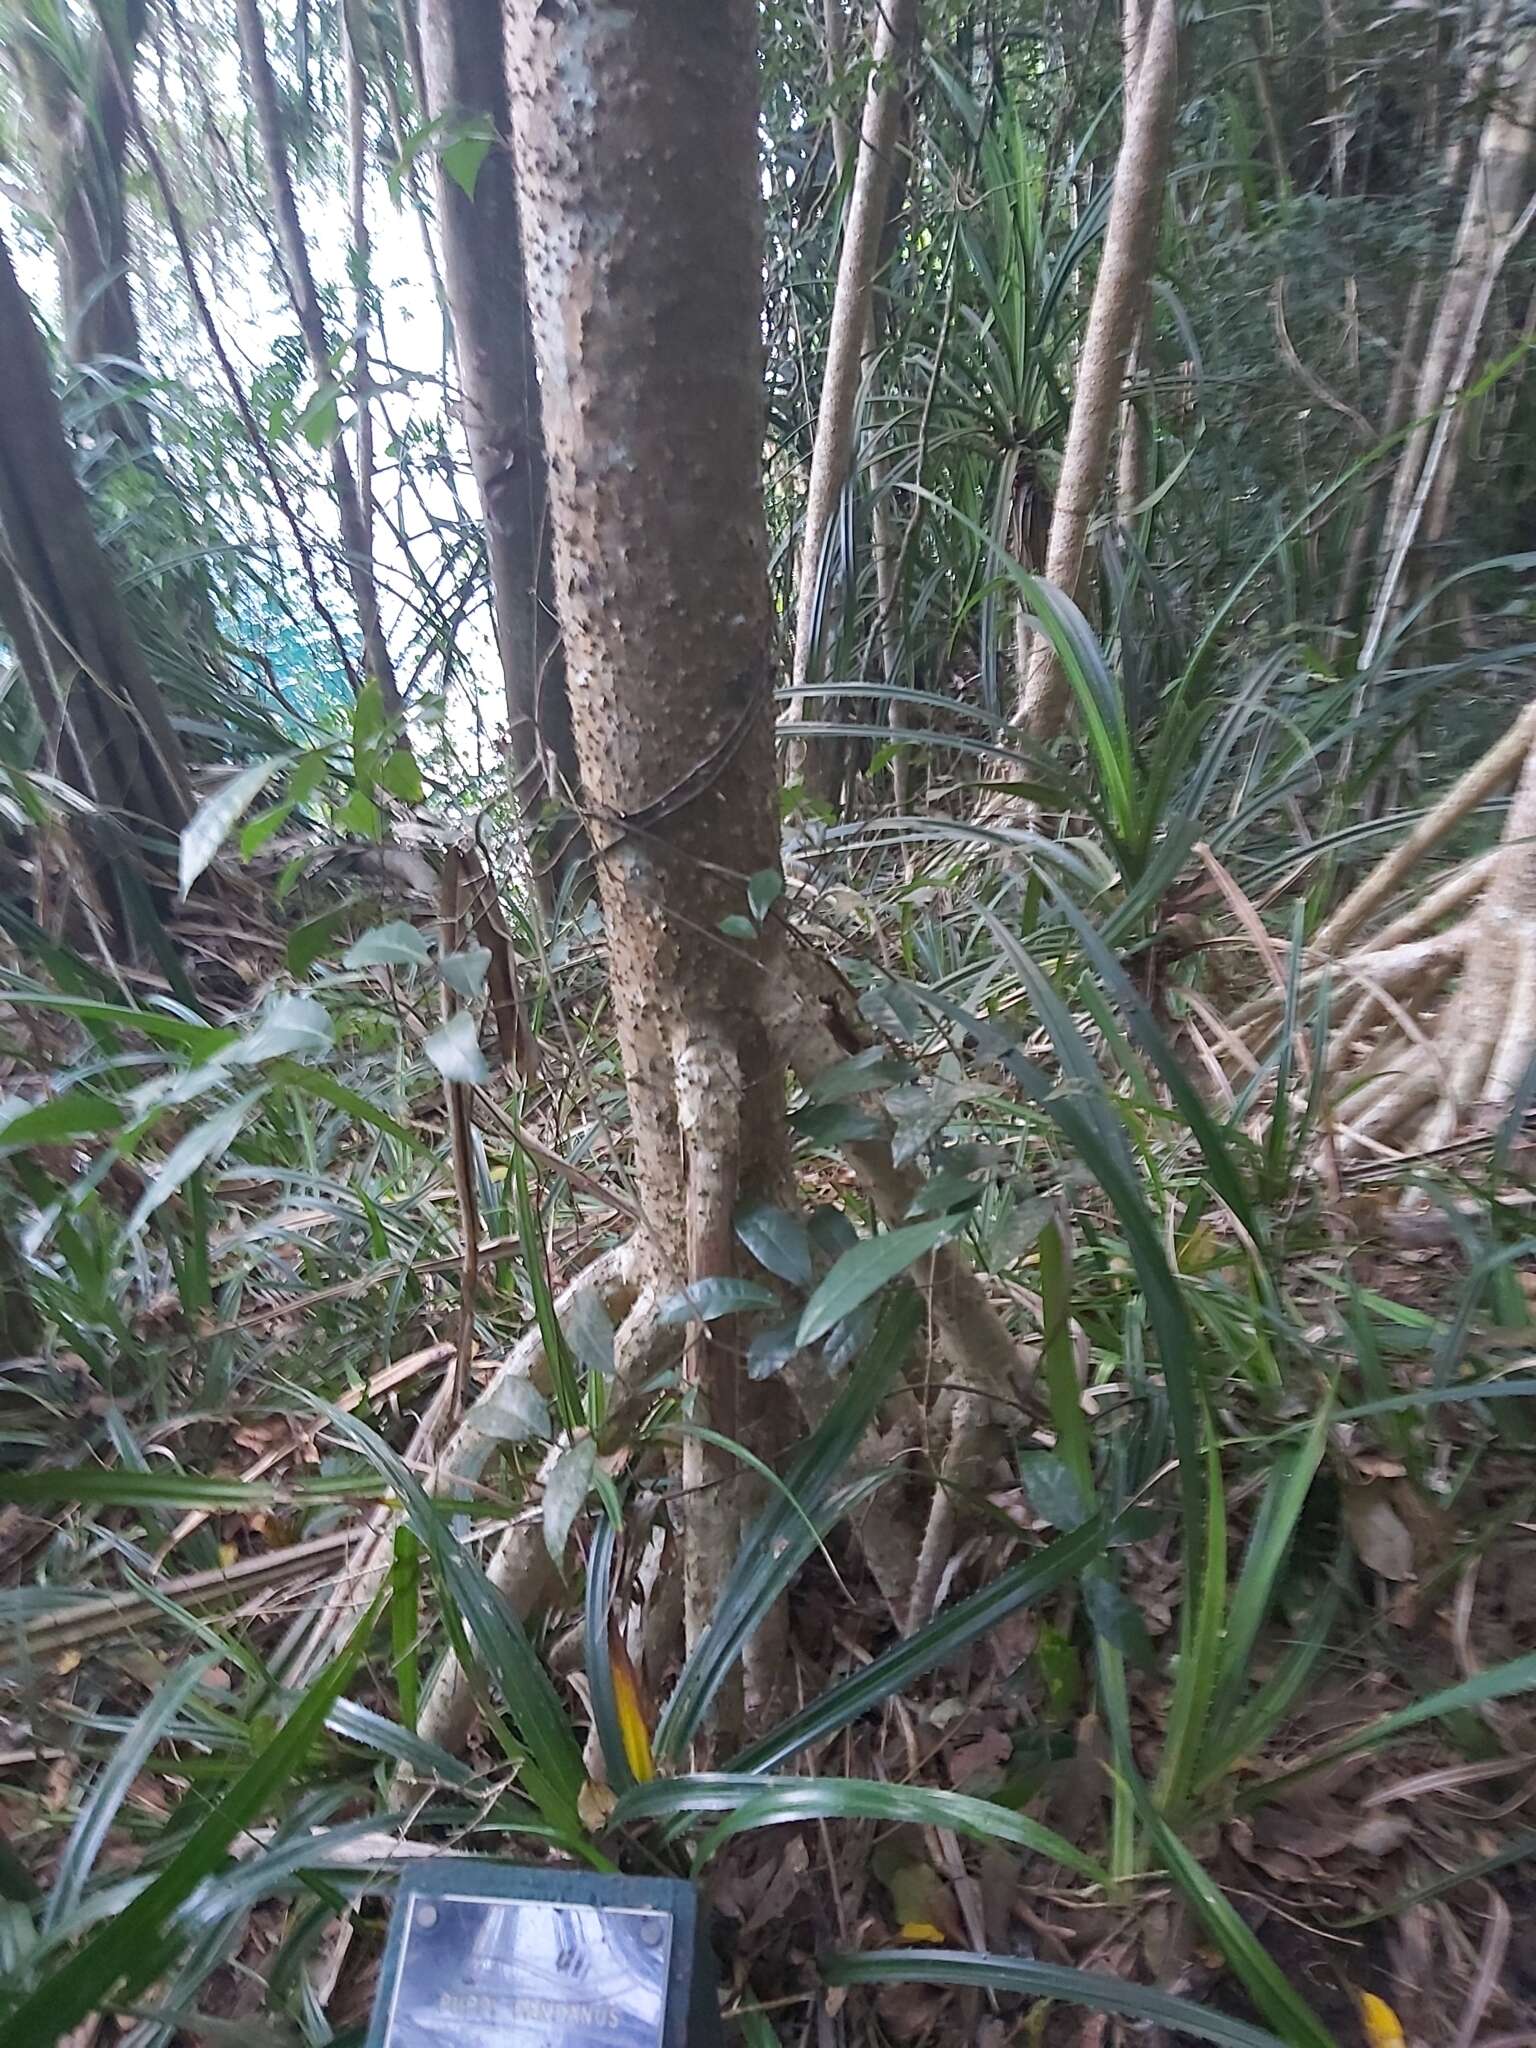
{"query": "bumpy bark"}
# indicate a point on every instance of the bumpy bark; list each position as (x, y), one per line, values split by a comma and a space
(99, 705)
(461, 48)
(635, 134)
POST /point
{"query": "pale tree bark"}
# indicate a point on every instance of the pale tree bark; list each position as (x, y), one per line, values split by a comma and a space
(356, 533)
(78, 132)
(858, 262)
(1130, 244)
(635, 136)
(1440, 1028)
(103, 717)
(1495, 215)
(362, 263)
(461, 52)
(1135, 453)
(1364, 557)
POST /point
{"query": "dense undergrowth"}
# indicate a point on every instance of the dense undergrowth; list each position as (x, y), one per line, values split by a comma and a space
(1247, 1575)
(335, 1533)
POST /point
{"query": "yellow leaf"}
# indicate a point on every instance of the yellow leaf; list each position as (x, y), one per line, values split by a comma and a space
(634, 1731)
(922, 1930)
(1380, 2024)
(229, 1553)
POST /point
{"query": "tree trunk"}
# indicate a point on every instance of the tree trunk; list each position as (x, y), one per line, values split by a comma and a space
(1129, 246)
(461, 48)
(78, 132)
(1494, 216)
(863, 230)
(100, 707)
(635, 126)
(356, 536)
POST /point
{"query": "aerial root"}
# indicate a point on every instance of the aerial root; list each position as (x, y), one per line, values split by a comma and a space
(519, 1567)
(1441, 1028)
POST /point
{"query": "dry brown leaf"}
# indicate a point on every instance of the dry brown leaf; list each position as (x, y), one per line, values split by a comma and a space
(1378, 1532)
(595, 1804)
(988, 1752)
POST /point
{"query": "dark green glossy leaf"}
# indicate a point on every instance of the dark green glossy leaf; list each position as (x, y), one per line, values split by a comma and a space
(778, 1240)
(705, 1301)
(943, 1639)
(865, 1268)
(1044, 1982)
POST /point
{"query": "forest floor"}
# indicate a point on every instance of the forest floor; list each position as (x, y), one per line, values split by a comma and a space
(1374, 1859)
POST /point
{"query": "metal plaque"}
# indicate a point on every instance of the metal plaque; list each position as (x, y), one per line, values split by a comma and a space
(478, 1971)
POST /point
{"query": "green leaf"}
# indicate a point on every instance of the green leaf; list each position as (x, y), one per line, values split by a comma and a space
(465, 972)
(98, 1809)
(756, 1802)
(1118, 1620)
(368, 720)
(735, 926)
(214, 820)
(705, 1301)
(137, 1944)
(1274, 1527)
(360, 814)
(74, 1114)
(411, 147)
(163, 1486)
(858, 1075)
(846, 1339)
(309, 772)
(1501, 1682)
(204, 1142)
(565, 1493)
(944, 1638)
(865, 1269)
(454, 1049)
(771, 1350)
(919, 1112)
(1084, 1110)
(202, 1041)
(513, 1411)
(950, 1192)
(315, 1081)
(389, 945)
(376, 1732)
(405, 1621)
(306, 942)
(589, 1331)
(567, 1392)
(1042, 1982)
(255, 832)
(400, 776)
(462, 159)
(780, 1539)
(1053, 1489)
(1261, 1977)
(473, 1611)
(835, 1123)
(763, 891)
(289, 1026)
(778, 1240)
(320, 421)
